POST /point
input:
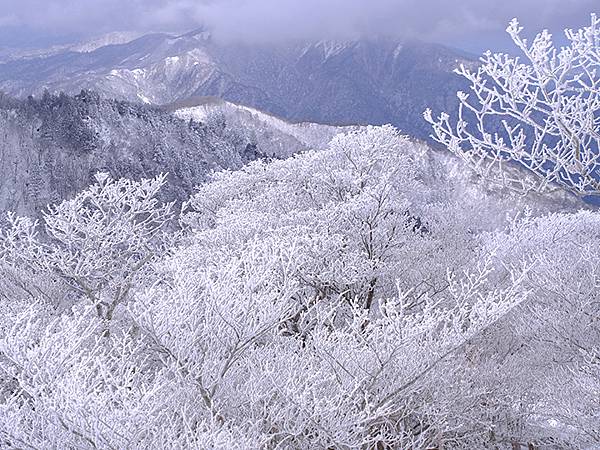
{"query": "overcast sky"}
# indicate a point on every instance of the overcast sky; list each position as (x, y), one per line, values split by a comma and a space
(473, 25)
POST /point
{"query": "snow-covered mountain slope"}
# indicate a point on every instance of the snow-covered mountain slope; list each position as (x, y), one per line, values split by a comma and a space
(50, 148)
(339, 83)
(274, 136)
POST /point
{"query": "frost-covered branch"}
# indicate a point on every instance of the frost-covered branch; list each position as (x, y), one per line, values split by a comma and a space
(541, 111)
(97, 242)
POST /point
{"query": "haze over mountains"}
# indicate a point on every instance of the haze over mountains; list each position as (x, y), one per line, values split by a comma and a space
(371, 81)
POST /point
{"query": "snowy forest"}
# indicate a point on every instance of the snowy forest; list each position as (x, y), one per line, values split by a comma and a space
(380, 292)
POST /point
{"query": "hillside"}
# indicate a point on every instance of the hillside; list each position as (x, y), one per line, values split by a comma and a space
(280, 136)
(52, 147)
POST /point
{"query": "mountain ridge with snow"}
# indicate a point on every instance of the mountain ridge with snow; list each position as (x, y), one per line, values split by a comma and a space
(362, 81)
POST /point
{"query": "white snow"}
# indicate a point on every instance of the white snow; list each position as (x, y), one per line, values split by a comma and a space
(171, 60)
(332, 48)
(397, 51)
(143, 98)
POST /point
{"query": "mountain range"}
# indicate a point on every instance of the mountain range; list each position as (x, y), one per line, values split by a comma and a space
(187, 105)
(365, 81)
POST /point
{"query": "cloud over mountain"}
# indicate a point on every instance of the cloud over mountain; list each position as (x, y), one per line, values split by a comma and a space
(455, 23)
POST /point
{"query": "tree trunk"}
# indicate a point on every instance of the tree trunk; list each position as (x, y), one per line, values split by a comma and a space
(370, 294)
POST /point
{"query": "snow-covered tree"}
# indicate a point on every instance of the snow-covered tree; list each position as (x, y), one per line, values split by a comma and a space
(355, 297)
(97, 242)
(554, 337)
(542, 112)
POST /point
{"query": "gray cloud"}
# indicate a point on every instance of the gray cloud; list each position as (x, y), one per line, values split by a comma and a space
(471, 24)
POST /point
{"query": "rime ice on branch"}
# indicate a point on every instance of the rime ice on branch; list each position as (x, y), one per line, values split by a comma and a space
(542, 112)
